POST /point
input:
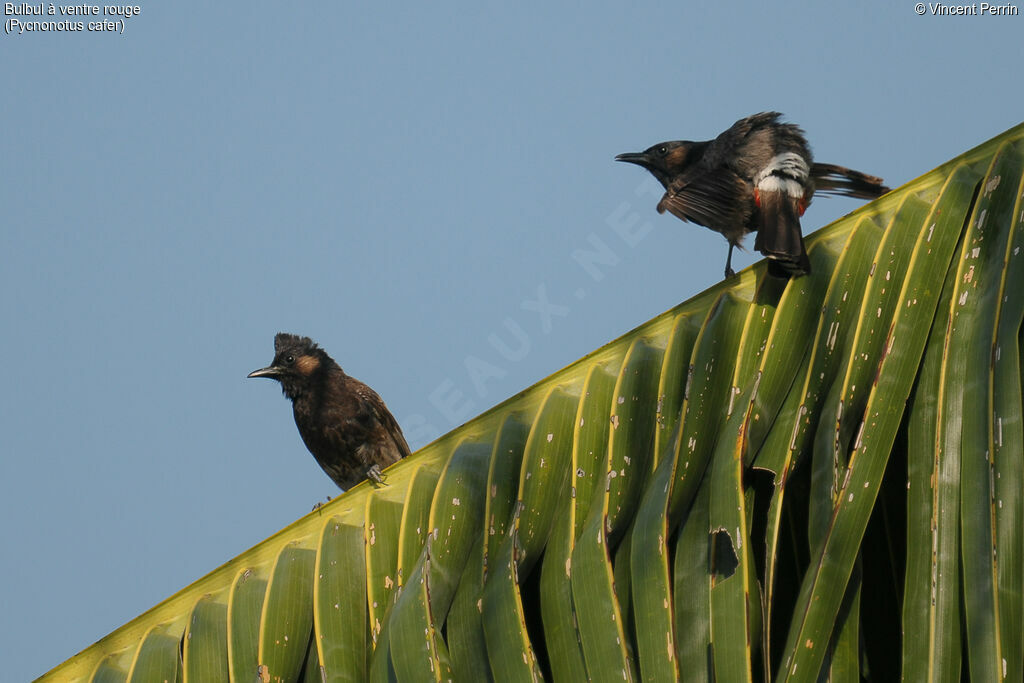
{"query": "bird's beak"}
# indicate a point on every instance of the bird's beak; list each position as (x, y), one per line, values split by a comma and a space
(271, 371)
(638, 158)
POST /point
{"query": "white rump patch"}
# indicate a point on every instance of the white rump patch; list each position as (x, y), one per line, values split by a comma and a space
(774, 183)
(786, 172)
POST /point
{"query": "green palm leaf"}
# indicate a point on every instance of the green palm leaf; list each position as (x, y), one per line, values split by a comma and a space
(775, 480)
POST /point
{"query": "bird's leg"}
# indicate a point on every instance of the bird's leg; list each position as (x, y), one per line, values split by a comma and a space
(376, 476)
(729, 272)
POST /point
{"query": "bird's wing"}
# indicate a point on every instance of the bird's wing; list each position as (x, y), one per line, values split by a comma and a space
(708, 198)
(372, 409)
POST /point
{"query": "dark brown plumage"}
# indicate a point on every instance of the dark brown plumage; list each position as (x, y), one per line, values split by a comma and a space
(758, 176)
(343, 422)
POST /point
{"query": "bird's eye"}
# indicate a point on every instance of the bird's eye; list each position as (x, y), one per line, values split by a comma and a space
(663, 151)
(289, 359)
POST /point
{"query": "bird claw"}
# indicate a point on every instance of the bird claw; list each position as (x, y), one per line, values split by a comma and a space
(376, 476)
(729, 272)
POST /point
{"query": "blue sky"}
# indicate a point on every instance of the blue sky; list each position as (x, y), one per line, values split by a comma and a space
(405, 185)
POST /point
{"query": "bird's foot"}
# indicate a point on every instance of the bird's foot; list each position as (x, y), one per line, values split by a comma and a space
(729, 272)
(320, 505)
(376, 476)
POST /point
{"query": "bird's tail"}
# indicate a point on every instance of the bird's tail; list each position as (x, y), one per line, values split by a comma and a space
(839, 180)
(779, 237)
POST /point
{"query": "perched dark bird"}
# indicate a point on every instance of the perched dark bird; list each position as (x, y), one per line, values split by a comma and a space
(758, 176)
(343, 422)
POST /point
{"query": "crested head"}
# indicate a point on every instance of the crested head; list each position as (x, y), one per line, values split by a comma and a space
(670, 156)
(299, 365)
(663, 160)
(293, 343)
